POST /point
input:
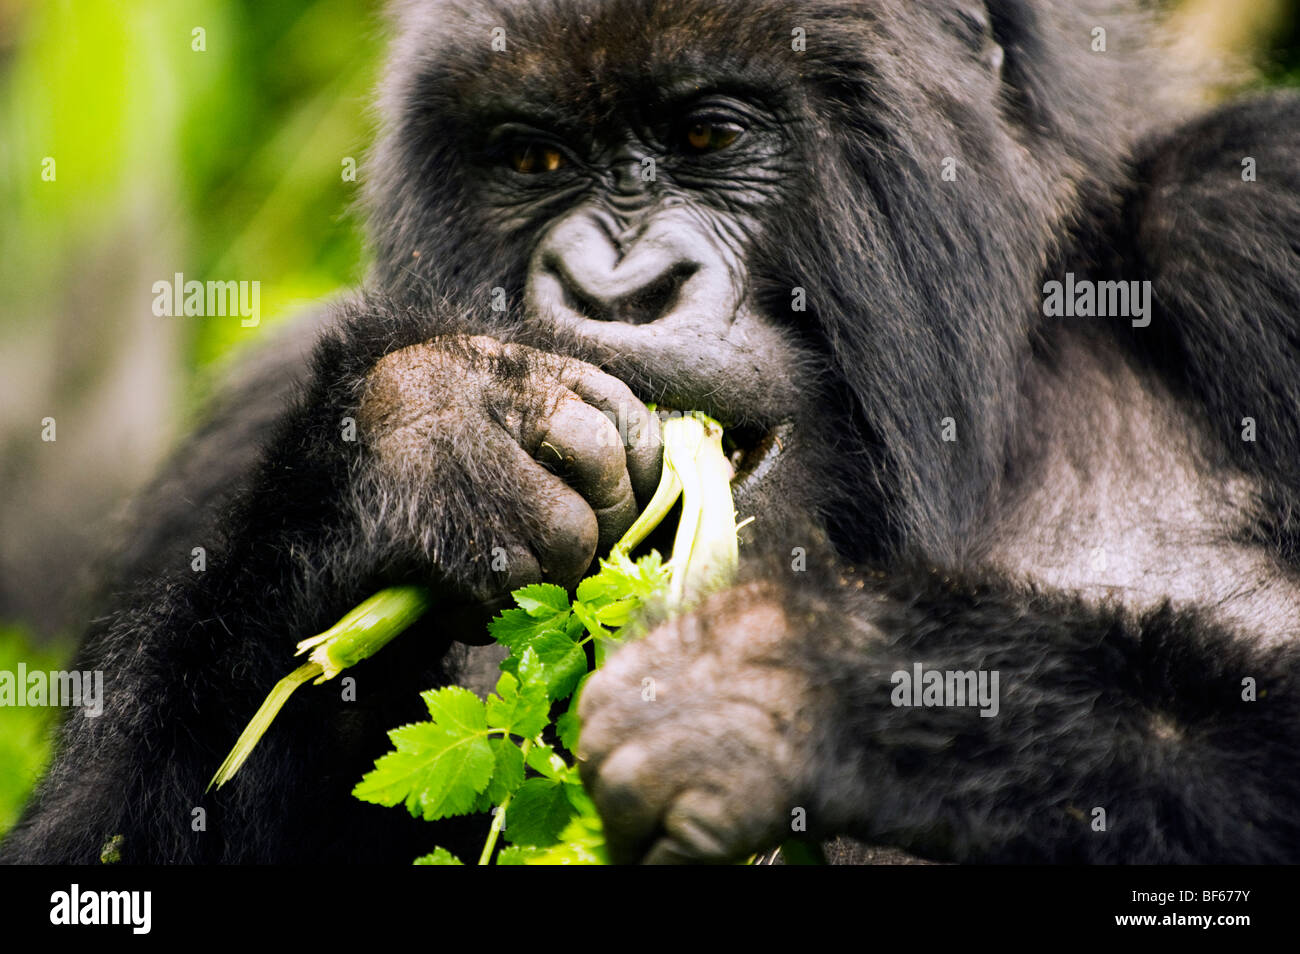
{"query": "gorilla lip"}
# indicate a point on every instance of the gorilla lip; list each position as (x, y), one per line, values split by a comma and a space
(755, 462)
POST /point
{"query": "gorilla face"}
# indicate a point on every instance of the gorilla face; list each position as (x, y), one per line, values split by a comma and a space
(646, 271)
(683, 195)
(624, 209)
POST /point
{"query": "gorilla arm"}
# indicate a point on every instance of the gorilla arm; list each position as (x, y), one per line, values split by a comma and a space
(774, 697)
(446, 469)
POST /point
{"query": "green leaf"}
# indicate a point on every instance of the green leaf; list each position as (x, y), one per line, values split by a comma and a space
(617, 614)
(538, 813)
(516, 855)
(544, 608)
(595, 589)
(620, 578)
(582, 842)
(586, 612)
(439, 767)
(568, 725)
(528, 668)
(456, 709)
(542, 600)
(562, 663)
(439, 856)
(522, 711)
(514, 628)
(507, 772)
(581, 802)
(544, 760)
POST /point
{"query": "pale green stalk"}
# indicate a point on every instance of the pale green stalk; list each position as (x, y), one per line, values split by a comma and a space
(365, 630)
(705, 551)
(665, 495)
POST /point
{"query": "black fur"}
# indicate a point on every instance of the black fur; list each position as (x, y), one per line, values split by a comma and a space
(924, 303)
(1142, 717)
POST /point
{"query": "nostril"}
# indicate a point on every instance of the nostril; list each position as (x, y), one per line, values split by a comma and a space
(639, 306)
(575, 300)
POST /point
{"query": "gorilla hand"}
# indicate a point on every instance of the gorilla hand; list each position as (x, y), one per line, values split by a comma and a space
(472, 437)
(698, 741)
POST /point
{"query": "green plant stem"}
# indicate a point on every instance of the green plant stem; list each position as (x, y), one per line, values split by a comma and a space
(261, 721)
(665, 495)
(499, 819)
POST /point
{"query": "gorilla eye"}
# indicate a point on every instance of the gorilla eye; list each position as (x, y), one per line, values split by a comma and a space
(529, 157)
(706, 136)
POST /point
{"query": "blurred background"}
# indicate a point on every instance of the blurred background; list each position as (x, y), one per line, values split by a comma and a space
(212, 138)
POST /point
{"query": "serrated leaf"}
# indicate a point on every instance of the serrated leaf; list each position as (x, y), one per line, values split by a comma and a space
(593, 589)
(562, 853)
(543, 608)
(563, 662)
(538, 813)
(617, 614)
(619, 578)
(582, 842)
(582, 804)
(586, 612)
(502, 704)
(574, 629)
(559, 661)
(507, 772)
(440, 856)
(513, 626)
(542, 600)
(520, 710)
(437, 772)
(568, 726)
(544, 760)
(529, 669)
(516, 629)
(456, 709)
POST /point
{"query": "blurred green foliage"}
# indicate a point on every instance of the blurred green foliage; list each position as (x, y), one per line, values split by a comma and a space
(231, 154)
(24, 732)
(221, 163)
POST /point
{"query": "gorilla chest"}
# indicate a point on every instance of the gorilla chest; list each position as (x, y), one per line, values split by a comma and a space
(1117, 500)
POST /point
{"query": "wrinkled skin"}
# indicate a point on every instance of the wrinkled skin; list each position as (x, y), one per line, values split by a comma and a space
(559, 416)
(716, 758)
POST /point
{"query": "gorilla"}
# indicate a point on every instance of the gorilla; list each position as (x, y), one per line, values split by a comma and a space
(1006, 339)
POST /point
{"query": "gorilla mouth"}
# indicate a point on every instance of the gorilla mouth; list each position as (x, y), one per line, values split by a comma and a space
(754, 452)
(751, 449)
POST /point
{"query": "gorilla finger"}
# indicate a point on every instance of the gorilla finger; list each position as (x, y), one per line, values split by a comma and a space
(707, 827)
(692, 842)
(566, 526)
(562, 531)
(511, 565)
(637, 426)
(629, 802)
(583, 445)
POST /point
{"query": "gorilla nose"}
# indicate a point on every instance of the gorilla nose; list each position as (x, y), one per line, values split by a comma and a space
(627, 298)
(666, 268)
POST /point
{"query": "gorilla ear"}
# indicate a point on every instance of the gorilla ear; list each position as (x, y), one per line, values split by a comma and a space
(976, 29)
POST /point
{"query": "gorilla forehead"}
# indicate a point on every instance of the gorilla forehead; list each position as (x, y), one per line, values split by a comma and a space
(596, 56)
